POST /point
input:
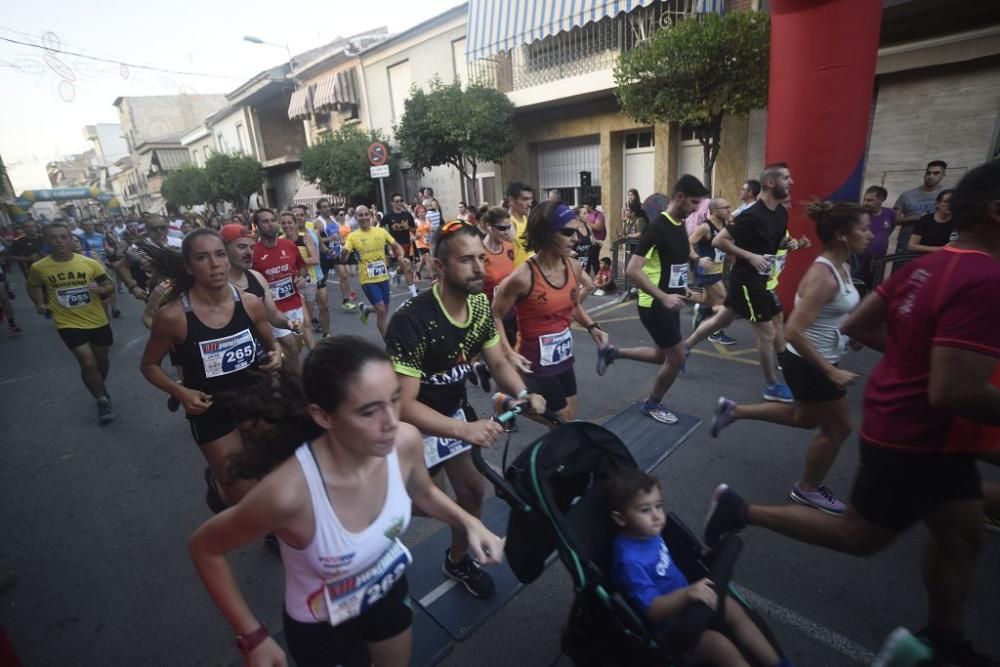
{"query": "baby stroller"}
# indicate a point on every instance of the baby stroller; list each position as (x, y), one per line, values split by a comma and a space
(555, 489)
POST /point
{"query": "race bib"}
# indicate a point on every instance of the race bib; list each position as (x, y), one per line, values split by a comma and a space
(439, 448)
(779, 263)
(770, 265)
(223, 356)
(678, 276)
(73, 297)
(352, 596)
(283, 289)
(555, 348)
(377, 269)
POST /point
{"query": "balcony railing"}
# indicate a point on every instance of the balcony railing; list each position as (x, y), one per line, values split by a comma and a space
(589, 48)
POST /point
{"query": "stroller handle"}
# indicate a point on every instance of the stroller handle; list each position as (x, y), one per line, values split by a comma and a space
(506, 410)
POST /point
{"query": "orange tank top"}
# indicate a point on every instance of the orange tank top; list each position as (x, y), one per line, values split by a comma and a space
(497, 267)
(544, 316)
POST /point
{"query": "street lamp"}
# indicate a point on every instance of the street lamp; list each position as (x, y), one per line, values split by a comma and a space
(258, 40)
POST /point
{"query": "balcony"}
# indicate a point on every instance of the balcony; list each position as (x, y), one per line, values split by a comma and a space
(580, 59)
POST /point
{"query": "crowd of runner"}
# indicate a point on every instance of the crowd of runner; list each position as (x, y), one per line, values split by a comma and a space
(323, 456)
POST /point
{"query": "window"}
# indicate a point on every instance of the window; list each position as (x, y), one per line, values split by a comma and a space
(221, 142)
(399, 87)
(458, 59)
(642, 139)
(239, 137)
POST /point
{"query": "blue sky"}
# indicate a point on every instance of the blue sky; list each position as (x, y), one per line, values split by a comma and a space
(49, 97)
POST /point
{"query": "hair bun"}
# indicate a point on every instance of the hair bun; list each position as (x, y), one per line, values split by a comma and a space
(818, 209)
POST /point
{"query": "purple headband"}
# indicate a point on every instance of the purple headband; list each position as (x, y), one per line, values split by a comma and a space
(563, 215)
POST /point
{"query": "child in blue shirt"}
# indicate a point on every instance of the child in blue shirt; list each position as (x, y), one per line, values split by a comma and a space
(644, 572)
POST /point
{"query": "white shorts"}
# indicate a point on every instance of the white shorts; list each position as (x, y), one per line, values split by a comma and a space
(293, 314)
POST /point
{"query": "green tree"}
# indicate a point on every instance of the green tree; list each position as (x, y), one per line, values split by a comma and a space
(695, 73)
(188, 186)
(456, 126)
(338, 163)
(233, 178)
(3, 180)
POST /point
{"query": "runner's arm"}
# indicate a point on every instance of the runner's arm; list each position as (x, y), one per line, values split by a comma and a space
(915, 245)
(105, 286)
(153, 304)
(37, 296)
(431, 422)
(510, 290)
(866, 324)
(258, 313)
(960, 383)
(693, 238)
(311, 250)
(168, 330)
(635, 273)
(580, 315)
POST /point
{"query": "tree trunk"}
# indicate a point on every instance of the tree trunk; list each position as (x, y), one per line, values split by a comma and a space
(473, 198)
(709, 136)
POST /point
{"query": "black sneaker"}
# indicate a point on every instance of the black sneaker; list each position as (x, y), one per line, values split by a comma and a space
(105, 415)
(468, 573)
(726, 514)
(483, 371)
(956, 653)
(212, 497)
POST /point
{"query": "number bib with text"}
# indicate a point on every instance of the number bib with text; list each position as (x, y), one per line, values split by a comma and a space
(283, 289)
(678, 276)
(73, 297)
(555, 348)
(770, 265)
(438, 448)
(352, 596)
(377, 269)
(223, 356)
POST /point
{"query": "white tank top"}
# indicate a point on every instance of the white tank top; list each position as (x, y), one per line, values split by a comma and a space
(341, 574)
(824, 332)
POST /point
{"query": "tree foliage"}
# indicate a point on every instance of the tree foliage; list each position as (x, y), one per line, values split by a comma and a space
(188, 186)
(339, 162)
(696, 72)
(233, 178)
(456, 126)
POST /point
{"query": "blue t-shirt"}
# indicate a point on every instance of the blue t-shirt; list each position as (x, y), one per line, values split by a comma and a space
(95, 243)
(642, 569)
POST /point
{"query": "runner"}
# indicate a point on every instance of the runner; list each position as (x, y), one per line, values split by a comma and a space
(6, 307)
(131, 268)
(825, 297)
(338, 502)
(400, 224)
(68, 288)
(499, 262)
(519, 199)
(659, 268)
(240, 243)
(310, 258)
(584, 242)
(432, 340)
(220, 334)
(710, 262)
(27, 249)
(335, 235)
(753, 240)
(421, 238)
(320, 305)
(545, 291)
(98, 245)
(370, 242)
(281, 264)
(932, 404)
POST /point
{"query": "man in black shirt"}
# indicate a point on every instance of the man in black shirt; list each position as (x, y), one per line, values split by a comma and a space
(432, 340)
(753, 240)
(934, 230)
(400, 224)
(659, 267)
(28, 249)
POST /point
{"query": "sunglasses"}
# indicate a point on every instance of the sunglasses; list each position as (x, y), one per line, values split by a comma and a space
(501, 228)
(452, 226)
(157, 228)
(397, 201)
(568, 231)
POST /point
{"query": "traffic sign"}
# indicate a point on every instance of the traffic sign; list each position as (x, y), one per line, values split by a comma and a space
(379, 171)
(378, 154)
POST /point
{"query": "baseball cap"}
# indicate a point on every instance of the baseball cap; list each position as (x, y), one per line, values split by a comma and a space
(232, 232)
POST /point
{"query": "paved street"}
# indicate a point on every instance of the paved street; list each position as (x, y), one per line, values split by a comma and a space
(94, 520)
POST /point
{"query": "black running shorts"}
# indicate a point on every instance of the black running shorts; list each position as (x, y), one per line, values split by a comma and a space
(322, 644)
(663, 326)
(554, 388)
(750, 299)
(808, 383)
(211, 425)
(74, 338)
(894, 489)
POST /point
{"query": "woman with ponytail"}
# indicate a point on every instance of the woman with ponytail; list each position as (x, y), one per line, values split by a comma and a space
(220, 335)
(814, 346)
(339, 474)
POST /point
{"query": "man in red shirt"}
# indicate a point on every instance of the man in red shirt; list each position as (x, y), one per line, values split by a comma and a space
(932, 408)
(280, 261)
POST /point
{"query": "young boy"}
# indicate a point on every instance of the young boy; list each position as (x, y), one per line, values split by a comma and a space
(644, 572)
(604, 282)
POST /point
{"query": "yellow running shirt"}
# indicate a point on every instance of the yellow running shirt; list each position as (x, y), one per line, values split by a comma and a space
(519, 240)
(370, 246)
(68, 288)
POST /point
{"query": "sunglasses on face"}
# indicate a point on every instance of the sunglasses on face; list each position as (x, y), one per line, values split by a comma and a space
(157, 228)
(568, 232)
(501, 228)
(397, 201)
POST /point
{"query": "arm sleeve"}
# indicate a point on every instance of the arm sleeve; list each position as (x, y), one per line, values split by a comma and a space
(99, 271)
(635, 585)
(404, 342)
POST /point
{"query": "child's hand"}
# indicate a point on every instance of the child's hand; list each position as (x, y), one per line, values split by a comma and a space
(702, 591)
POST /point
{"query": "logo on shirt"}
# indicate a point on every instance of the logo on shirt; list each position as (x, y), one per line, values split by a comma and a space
(664, 564)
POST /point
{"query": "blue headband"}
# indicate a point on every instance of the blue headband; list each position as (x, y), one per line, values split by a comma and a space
(562, 216)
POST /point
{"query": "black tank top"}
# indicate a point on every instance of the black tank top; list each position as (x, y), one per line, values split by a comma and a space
(253, 286)
(216, 359)
(704, 246)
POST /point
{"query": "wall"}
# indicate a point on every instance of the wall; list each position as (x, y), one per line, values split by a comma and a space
(279, 136)
(229, 136)
(313, 128)
(197, 149)
(146, 118)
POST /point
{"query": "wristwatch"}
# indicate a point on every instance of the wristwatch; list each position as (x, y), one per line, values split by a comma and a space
(248, 642)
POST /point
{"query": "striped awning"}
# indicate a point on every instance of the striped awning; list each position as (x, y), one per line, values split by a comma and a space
(300, 105)
(501, 25)
(337, 91)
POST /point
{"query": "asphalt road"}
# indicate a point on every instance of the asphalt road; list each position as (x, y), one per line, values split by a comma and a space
(94, 520)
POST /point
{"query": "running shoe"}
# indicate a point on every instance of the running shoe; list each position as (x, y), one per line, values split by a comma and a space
(599, 292)
(991, 522)
(605, 357)
(723, 416)
(727, 513)
(105, 415)
(720, 338)
(468, 573)
(483, 371)
(347, 305)
(957, 653)
(658, 412)
(14, 329)
(212, 496)
(365, 311)
(820, 498)
(778, 392)
(902, 649)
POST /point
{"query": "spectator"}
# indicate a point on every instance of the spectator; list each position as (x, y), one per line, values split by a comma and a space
(555, 196)
(605, 280)
(913, 204)
(748, 195)
(599, 230)
(883, 220)
(463, 211)
(630, 198)
(635, 220)
(934, 230)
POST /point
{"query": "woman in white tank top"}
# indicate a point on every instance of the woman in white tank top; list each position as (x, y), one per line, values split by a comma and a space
(341, 471)
(825, 297)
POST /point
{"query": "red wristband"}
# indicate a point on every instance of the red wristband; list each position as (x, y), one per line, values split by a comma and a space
(248, 642)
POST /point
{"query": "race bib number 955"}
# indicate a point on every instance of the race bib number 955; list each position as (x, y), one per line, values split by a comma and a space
(73, 297)
(223, 356)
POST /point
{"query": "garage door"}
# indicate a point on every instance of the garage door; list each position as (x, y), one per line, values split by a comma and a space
(560, 163)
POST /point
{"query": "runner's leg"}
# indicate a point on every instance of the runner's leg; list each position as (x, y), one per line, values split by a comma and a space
(217, 453)
(848, 533)
(956, 538)
(393, 652)
(722, 319)
(90, 371)
(834, 419)
(764, 333)
(382, 317)
(323, 309)
(470, 488)
(103, 362)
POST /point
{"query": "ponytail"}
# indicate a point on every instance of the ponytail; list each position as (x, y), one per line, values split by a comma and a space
(833, 218)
